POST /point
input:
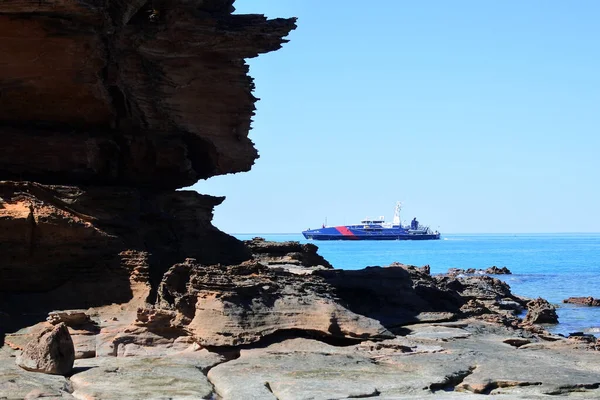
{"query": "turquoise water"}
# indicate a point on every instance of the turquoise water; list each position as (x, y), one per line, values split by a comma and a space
(552, 266)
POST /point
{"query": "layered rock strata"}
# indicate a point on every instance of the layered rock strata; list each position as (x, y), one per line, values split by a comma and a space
(107, 107)
(138, 93)
(284, 347)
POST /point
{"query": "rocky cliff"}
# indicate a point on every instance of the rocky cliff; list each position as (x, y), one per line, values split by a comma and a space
(107, 107)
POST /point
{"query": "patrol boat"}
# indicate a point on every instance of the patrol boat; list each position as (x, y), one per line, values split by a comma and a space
(375, 229)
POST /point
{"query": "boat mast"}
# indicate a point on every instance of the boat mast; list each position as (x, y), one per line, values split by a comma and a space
(396, 220)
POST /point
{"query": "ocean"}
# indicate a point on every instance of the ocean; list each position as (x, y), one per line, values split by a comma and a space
(552, 266)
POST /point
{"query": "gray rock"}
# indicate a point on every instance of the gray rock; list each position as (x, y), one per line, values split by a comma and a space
(18, 384)
(143, 378)
(51, 352)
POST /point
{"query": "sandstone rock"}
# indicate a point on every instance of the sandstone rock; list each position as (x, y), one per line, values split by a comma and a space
(461, 367)
(52, 352)
(540, 311)
(105, 244)
(141, 378)
(493, 270)
(290, 253)
(233, 305)
(395, 295)
(70, 318)
(241, 304)
(584, 301)
(133, 99)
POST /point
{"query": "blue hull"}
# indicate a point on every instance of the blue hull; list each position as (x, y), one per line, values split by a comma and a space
(354, 233)
(367, 237)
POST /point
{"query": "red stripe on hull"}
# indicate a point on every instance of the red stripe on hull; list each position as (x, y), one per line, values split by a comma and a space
(344, 231)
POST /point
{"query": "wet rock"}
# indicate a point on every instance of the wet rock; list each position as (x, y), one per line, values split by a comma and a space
(584, 301)
(52, 352)
(540, 311)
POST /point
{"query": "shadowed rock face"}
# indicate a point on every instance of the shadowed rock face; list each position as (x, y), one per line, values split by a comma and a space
(245, 303)
(140, 93)
(107, 107)
(51, 235)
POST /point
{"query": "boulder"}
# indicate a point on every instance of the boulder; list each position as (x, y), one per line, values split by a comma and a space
(51, 352)
(540, 311)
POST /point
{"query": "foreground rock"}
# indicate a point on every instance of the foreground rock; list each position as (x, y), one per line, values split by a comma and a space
(18, 384)
(52, 352)
(584, 301)
(433, 361)
(540, 311)
(141, 378)
(242, 304)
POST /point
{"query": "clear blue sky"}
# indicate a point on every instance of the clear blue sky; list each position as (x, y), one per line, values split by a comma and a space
(480, 116)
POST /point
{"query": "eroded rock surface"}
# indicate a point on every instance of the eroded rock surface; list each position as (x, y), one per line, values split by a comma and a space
(540, 311)
(286, 254)
(233, 305)
(128, 93)
(107, 107)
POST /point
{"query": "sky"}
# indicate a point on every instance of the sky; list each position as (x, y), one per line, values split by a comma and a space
(479, 116)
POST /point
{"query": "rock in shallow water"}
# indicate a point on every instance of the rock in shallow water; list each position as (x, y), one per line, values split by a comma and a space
(52, 352)
(540, 311)
(584, 301)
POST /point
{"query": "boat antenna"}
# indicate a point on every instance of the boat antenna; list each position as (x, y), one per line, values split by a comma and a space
(396, 220)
